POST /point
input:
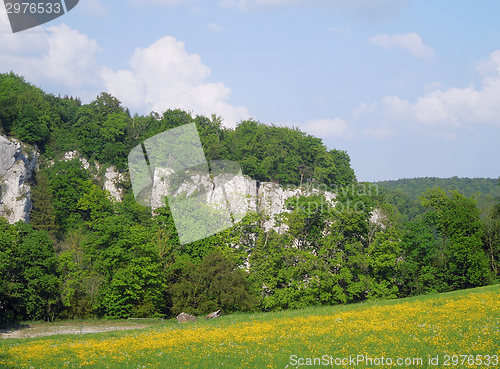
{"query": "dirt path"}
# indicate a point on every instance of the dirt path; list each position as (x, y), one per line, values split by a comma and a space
(48, 329)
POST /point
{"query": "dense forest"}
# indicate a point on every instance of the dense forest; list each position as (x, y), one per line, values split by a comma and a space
(84, 254)
(415, 187)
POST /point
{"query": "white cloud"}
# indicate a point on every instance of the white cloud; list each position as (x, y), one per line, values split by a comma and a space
(165, 76)
(162, 75)
(23, 43)
(61, 55)
(440, 112)
(410, 42)
(490, 65)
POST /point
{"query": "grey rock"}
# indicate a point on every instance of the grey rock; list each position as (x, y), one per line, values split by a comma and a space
(112, 178)
(183, 317)
(17, 163)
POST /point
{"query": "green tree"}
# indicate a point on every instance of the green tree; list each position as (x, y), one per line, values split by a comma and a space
(458, 223)
(423, 266)
(68, 182)
(8, 277)
(42, 213)
(31, 285)
(212, 284)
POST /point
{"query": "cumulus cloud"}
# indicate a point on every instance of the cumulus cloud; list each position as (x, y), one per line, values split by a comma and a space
(440, 113)
(161, 76)
(410, 42)
(60, 55)
(165, 76)
(24, 43)
(453, 106)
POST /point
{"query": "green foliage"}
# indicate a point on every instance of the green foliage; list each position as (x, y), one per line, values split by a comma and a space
(25, 111)
(101, 129)
(444, 250)
(415, 187)
(95, 203)
(490, 219)
(286, 156)
(30, 282)
(68, 182)
(423, 265)
(42, 213)
(408, 208)
(212, 284)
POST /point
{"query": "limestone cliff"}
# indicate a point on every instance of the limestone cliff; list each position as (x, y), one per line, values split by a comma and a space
(240, 193)
(17, 163)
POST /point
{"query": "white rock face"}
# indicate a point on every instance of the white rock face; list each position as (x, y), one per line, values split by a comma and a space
(161, 183)
(239, 193)
(16, 168)
(272, 197)
(113, 177)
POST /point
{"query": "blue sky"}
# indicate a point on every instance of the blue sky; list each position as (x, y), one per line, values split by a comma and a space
(407, 88)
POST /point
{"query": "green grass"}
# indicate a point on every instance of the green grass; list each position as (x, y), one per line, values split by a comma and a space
(456, 323)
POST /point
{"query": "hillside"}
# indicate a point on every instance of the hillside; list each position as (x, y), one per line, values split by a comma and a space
(79, 239)
(415, 187)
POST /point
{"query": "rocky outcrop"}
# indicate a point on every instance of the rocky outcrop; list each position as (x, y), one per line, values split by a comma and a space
(272, 197)
(239, 193)
(17, 163)
(112, 178)
(232, 193)
(183, 318)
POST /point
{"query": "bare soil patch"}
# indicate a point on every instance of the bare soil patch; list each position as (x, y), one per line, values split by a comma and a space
(30, 330)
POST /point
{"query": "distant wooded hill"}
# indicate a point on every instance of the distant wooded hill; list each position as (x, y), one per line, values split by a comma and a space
(414, 187)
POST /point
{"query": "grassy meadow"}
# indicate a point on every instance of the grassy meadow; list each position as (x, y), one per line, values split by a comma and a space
(456, 329)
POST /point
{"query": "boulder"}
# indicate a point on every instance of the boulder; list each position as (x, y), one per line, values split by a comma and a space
(183, 317)
(213, 315)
